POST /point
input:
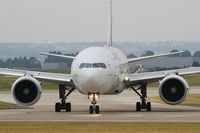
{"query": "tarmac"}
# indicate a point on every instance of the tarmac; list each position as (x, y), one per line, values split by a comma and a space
(113, 109)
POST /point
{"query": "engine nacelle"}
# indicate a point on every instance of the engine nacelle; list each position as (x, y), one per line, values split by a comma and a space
(26, 91)
(173, 89)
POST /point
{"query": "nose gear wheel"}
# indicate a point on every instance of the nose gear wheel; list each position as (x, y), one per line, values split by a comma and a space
(94, 109)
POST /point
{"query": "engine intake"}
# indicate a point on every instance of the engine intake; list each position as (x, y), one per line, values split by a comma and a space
(173, 89)
(26, 91)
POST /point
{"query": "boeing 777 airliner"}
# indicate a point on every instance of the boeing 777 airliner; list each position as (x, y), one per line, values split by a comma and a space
(101, 71)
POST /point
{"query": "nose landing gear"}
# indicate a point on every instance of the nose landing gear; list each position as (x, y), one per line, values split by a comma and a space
(93, 108)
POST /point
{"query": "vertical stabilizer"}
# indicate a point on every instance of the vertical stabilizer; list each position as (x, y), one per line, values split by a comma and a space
(109, 43)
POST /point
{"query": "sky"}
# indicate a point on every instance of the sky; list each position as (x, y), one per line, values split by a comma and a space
(87, 20)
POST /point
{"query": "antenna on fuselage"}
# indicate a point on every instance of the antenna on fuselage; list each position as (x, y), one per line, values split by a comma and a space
(109, 43)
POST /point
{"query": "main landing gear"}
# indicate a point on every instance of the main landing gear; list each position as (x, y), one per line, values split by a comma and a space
(93, 108)
(143, 95)
(62, 105)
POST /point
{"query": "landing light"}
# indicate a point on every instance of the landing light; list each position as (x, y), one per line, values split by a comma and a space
(126, 78)
(96, 96)
(91, 96)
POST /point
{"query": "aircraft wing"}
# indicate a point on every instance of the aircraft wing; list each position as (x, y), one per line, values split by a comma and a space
(149, 77)
(51, 77)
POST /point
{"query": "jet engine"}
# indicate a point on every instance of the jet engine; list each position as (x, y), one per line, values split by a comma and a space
(173, 89)
(26, 91)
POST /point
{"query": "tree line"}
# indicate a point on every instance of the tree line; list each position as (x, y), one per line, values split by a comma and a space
(186, 53)
(20, 62)
(32, 62)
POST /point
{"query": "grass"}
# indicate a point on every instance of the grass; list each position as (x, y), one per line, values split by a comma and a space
(47, 127)
(191, 100)
(5, 105)
(193, 80)
(6, 83)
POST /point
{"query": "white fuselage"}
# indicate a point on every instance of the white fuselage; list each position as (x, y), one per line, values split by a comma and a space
(99, 70)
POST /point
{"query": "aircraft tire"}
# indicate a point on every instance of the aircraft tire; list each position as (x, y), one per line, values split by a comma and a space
(138, 106)
(97, 110)
(68, 107)
(91, 110)
(148, 106)
(57, 107)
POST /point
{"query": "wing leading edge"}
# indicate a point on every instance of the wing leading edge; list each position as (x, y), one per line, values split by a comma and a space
(149, 77)
(65, 79)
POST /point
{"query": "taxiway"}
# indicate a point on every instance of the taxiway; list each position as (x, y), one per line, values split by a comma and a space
(117, 108)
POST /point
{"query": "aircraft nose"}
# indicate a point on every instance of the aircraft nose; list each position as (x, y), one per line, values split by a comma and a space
(91, 77)
(96, 81)
(91, 81)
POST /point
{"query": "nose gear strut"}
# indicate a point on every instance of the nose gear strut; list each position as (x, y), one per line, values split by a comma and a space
(93, 108)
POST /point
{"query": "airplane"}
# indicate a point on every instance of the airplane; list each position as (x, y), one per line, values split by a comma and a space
(101, 70)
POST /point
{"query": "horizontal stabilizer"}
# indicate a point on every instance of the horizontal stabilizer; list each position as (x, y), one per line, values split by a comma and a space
(57, 55)
(153, 56)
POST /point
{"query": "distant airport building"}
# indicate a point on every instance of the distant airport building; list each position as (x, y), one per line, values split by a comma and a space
(167, 62)
(55, 65)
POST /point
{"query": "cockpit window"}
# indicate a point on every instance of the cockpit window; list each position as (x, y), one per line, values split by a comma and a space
(88, 65)
(99, 65)
(81, 65)
(94, 65)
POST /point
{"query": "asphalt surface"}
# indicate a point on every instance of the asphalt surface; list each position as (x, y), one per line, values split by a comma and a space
(115, 108)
